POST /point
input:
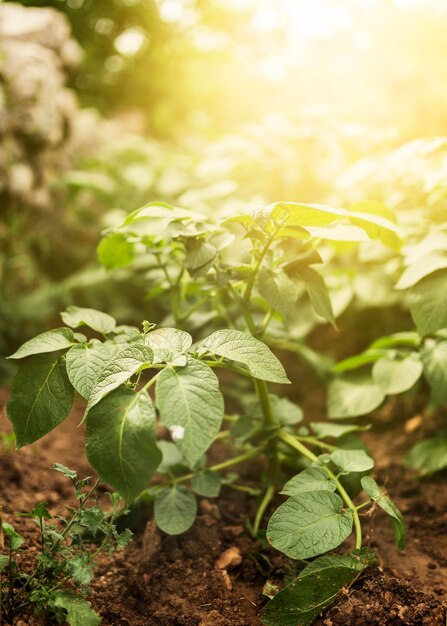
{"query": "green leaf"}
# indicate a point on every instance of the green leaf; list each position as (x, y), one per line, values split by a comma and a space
(417, 271)
(15, 540)
(41, 397)
(175, 510)
(85, 362)
(409, 339)
(79, 611)
(430, 455)
(238, 346)
(280, 291)
(285, 411)
(318, 293)
(428, 303)
(358, 360)
(81, 568)
(191, 406)
(171, 457)
(396, 376)
(434, 358)
(76, 316)
(114, 250)
(207, 484)
(313, 478)
(65, 471)
(315, 589)
(52, 340)
(397, 521)
(120, 441)
(326, 429)
(4, 562)
(199, 254)
(353, 394)
(309, 524)
(123, 365)
(352, 460)
(168, 343)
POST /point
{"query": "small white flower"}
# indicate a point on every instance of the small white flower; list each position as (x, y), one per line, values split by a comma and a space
(177, 432)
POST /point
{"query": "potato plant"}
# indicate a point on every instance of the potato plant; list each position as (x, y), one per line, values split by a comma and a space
(235, 284)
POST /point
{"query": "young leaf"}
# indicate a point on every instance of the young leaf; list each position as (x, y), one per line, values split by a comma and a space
(76, 316)
(315, 589)
(167, 343)
(238, 346)
(41, 397)
(175, 510)
(65, 471)
(85, 363)
(428, 303)
(326, 429)
(81, 568)
(207, 484)
(15, 540)
(4, 562)
(114, 250)
(124, 365)
(434, 358)
(79, 611)
(352, 460)
(191, 406)
(120, 441)
(52, 340)
(309, 524)
(397, 521)
(396, 376)
(171, 457)
(313, 478)
(353, 394)
(285, 411)
(280, 291)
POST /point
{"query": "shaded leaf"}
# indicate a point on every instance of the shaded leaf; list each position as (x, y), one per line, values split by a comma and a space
(52, 340)
(175, 510)
(397, 521)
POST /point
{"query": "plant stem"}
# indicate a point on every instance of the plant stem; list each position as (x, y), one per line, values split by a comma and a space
(267, 498)
(300, 447)
(246, 456)
(263, 395)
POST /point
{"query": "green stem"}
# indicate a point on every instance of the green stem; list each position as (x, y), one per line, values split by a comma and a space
(262, 392)
(246, 456)
(297, 445)
(267, 498)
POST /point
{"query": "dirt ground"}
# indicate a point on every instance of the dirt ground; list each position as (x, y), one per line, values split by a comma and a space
(174, 581)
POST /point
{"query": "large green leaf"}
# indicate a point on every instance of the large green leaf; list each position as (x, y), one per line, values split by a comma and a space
(328, 429)
(430, 455)
(121, 441)
(309, 524)
(51, 341)
(434, 358)
(313, 478)
(191, 406)
(238, 346)
(175, 509)
(397, 521)
(79, 611)
(428, 303)
(353, 394)
(315, 589)
(396, 376)
(123, 365)
(85, 363)
(41, 397)
(76, 316)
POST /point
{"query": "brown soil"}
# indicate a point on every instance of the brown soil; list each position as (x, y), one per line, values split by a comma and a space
(174, 581)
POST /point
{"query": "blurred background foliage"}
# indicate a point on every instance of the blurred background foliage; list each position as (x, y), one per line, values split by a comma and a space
(220, 106)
